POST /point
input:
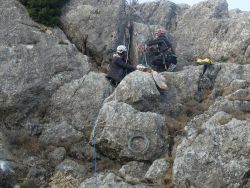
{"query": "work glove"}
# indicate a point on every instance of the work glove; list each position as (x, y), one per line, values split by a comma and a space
(171, 67)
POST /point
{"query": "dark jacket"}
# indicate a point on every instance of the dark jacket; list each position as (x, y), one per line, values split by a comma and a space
(119, 68)
(164, 46)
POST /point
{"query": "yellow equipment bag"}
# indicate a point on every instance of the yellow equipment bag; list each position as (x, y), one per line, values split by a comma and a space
(205, 60)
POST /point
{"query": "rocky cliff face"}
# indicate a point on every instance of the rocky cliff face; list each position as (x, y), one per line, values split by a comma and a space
(209, 29)
(96, 27)
(206, 29)
(55, 111)
(35, 61)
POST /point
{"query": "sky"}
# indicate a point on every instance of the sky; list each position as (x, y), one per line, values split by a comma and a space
(232, 4)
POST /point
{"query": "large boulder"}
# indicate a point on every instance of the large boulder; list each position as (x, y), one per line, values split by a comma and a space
(235, 107)
(109, 180)
(96, 27)
(137, 89)
(212, 155)
(215, 143)
(61, 134)
(57, 156)
(230, 94)
(123, 133)
(157, 171)
(79, 101)
(134, 171)
(35, 61)
(187, 89)
(229, 74)
(233, 80)
(73, 168)
(180, 97)
(207, 29)
(182, 85)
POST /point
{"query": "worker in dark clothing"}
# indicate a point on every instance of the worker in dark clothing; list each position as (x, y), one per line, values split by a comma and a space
(163, 56)
(119, 67)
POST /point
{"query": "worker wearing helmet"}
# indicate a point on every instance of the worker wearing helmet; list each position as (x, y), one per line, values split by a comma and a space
(164, 55)
(119, 67)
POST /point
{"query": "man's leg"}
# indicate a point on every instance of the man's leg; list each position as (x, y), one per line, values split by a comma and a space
(157, 62)
(112, 81)
(171, 62)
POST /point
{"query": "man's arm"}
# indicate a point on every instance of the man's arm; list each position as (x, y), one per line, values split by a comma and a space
(121, 63)
(153, 42)
(166, 45)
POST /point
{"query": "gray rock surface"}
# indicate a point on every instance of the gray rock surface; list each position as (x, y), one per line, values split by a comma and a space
(71, 167)
(46, 89)
(124, 133)
(185, 88)
(61, 134)
(207, 156)
(133, 171)
(229, 73)
(206, 29)
(36, 176)
(215, 145)
(182, 85)
(158, 170)
(180, 97)
(96, 27)
(241, 94)
(108, 180)
(79, 101)
(215, 156)
(235, 108)
(34, 63)
(57, 156)
(238, 84)
(137, 89)
(163, 12)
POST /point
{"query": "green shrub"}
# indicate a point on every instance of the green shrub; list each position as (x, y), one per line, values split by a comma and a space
(46, 12)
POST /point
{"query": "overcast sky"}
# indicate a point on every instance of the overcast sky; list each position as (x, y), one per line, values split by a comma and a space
(241, 4)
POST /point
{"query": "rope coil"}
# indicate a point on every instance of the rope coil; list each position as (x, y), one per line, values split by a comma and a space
(136, 150)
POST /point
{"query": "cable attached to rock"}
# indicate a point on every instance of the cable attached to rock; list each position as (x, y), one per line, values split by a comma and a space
(94, 137)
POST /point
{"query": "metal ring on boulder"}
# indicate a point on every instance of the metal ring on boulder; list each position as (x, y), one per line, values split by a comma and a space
(132, 138)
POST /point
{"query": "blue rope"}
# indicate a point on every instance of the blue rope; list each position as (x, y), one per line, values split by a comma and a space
(94, 135)
(94, 157)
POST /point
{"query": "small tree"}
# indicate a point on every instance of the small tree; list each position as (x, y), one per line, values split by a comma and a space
(47, 12)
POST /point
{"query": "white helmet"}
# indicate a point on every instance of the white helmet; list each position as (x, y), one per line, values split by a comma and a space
(121, 49)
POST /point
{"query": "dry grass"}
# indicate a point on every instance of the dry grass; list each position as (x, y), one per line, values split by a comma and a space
(62, 180)
(20, 139)
(227, 90)
(168, 180)
(17, 137)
